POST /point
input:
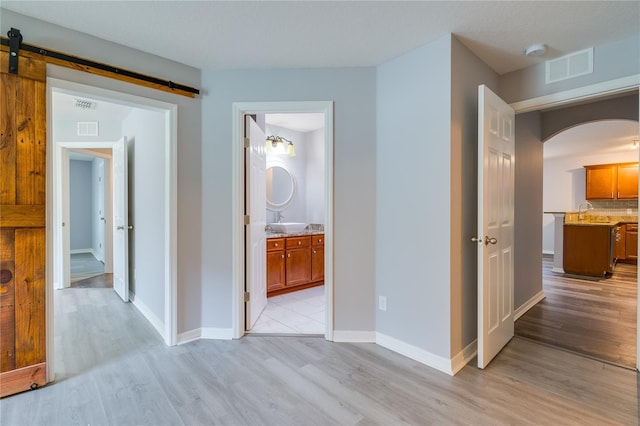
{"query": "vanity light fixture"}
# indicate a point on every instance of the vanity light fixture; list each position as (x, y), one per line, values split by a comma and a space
(280, 145)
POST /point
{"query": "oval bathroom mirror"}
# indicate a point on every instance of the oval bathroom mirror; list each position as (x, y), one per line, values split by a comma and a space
(281, 186)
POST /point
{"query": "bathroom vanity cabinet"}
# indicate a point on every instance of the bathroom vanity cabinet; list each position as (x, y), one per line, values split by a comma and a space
(294, 263)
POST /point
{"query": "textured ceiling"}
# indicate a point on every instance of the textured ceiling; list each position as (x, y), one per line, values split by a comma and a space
(281, 34)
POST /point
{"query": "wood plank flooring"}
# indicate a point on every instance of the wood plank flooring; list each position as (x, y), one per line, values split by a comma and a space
(113, 369)
(596, 318)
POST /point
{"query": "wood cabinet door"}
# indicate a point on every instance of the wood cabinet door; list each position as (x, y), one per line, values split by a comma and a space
(298, 265)
(317, 263)
(628, 182)
(22, 226)
(620, 244)
(632, 242)
(275, 270)
(600, 182)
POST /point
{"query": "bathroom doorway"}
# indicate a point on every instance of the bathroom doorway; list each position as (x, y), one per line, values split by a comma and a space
(307, 308)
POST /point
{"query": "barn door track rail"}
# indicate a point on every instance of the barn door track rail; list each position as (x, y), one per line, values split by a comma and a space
(13, 43)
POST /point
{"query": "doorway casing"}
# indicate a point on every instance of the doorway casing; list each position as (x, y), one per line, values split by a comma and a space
(170, 112)
(239, 110)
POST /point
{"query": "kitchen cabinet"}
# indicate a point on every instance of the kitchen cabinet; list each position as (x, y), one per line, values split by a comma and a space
(588, 249)
(620, 243)
(294, 263)
(612, 181)
(631, 242)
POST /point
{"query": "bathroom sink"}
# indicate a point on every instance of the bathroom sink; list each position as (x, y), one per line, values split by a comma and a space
(288, 227)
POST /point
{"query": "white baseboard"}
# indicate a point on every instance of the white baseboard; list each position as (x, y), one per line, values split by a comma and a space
(205, 333)
(354, 336)
(528, 305)
(188, 336)
(85, 250)
(464, 356)
(551, 252)
(156, 322)
(216, 333)
(425, 357)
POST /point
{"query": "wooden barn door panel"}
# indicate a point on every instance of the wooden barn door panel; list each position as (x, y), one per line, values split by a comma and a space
(22, 226)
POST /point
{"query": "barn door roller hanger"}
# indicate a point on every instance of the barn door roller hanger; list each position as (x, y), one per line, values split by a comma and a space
(15, 39)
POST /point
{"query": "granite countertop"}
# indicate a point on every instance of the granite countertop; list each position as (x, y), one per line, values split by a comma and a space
(293, 234)
(571, 218)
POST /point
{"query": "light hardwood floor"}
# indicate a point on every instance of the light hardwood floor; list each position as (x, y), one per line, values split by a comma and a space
(592, 317)
(114, 369)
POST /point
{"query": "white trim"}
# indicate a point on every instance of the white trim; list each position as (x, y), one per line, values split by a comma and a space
(239, 109)
(156, 322)
(620, 85)
(188, 336)
(85, 250)
(550, 252)
(464, 356)
(528, 305)
(205, 333)
(354, 336)
(424, 357)
(171, 189)
(216, 333)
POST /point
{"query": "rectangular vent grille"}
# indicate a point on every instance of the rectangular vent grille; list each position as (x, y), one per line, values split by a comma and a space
(87, 128)
(569, 66)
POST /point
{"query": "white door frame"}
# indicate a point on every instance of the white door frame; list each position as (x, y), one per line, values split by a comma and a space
(61, 196)
(239, 110)
(170, 148)
(593, 91)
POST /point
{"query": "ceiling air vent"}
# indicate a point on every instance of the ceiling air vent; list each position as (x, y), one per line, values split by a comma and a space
(569, 66)
(87, 128)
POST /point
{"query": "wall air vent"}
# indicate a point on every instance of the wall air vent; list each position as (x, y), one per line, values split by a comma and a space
(87, 128)
(569, 66)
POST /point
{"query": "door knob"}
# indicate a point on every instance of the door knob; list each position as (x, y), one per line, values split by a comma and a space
(491, 240)
(476, 240)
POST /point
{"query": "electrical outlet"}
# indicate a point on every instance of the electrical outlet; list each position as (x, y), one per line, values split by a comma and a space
(382, 303)
(629, 211)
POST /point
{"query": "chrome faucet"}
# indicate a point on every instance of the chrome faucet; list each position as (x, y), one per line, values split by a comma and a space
(279, 216)
(589, 206)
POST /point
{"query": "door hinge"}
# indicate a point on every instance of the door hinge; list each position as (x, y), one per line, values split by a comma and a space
(247, 296)
(247, 219)
(247, 143)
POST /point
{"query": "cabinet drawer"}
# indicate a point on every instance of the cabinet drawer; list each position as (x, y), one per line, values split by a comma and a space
(275, 244)
(632, 227)
(298, 242)
(317, 240)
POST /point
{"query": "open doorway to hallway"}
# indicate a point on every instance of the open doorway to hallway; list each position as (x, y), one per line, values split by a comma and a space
(588, 314)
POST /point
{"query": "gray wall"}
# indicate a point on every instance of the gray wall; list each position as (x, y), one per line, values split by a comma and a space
(145, 132)
(610, 61)
(189, 133)
(315, 176)
(467, 73)
(528, 209)
(353, 92)
(413, 200)
(80, 205)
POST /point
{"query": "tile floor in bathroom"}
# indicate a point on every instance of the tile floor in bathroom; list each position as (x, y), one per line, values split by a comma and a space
(300, 312)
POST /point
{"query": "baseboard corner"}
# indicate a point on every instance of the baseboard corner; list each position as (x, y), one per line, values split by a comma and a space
(522, 309)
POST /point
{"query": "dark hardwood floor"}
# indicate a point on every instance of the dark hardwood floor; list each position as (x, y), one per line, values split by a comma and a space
(596, 318)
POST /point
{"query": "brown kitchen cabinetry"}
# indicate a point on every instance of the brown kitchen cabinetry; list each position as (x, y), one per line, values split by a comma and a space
(294, 263)
(612, 181)
(631, 242)
(620, 244)
(588, 249)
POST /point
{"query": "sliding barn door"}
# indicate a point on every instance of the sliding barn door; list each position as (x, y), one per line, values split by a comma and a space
(22, 225)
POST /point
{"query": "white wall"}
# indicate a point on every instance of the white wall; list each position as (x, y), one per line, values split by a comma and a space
(564, 185)
(308, 169)
(353, 93)
(80, 205)
(145, 132)
(413, 200)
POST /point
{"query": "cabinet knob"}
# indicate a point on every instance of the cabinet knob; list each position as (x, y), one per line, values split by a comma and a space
(275, 244)
(299, 243)
(320, 240)
(314, 252)
(283, 256)
(288, 254)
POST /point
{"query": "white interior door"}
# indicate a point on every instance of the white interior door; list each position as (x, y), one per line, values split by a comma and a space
(256, 208)
(101, 215)
(120, 220)
(496, 155)
(65, 224)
